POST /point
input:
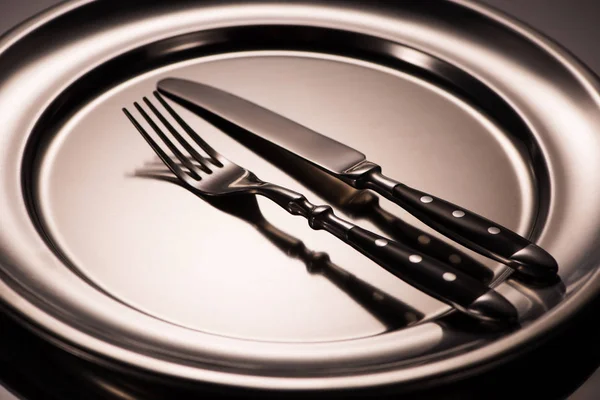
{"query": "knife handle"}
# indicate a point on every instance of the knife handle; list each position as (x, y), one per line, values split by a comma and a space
(431, 276)
(469, 229)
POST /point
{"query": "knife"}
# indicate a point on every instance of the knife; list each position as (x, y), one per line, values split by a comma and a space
(351, 166)
(360, 204)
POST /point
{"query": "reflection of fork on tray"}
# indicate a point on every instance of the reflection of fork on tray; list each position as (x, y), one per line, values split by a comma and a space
(390, 311)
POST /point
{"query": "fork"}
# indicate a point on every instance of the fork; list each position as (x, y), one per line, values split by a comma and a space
(215, 175)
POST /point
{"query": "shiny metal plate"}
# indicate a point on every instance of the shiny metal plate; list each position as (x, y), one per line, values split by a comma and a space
(453, 98)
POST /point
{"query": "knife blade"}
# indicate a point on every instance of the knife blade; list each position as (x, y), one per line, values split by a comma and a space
(351, 166)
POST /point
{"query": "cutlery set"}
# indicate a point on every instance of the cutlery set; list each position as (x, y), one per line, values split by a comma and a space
(346, 179)
(433, 196)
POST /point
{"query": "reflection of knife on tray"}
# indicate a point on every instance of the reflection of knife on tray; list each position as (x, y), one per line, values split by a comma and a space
(465, 227)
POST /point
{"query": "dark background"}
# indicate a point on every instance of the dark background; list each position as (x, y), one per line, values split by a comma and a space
(575, 24)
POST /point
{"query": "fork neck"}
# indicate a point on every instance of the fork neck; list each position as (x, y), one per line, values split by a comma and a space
(319, 217)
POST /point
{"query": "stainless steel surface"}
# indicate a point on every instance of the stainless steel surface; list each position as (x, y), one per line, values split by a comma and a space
(322, 151)
(536, 78)
(385, 307)
(476, 232)
(215, 175)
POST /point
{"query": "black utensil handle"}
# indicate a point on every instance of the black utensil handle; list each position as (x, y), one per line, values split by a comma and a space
(431, 276)
(426, 243)
(423, 272)
(470, 229)
(435, 278)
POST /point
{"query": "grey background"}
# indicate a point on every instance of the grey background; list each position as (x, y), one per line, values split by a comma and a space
(575, 24)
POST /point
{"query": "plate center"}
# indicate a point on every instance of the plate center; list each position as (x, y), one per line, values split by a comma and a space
(166, 252)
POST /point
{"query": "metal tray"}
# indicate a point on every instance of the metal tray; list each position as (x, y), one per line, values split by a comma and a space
(451, 98)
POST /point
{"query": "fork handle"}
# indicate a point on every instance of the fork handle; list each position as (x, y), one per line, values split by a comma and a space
(469, 229)
(427, 274)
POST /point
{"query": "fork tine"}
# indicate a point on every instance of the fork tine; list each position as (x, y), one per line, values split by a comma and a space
(194, 154)
(195, 172)
(163, 156)
(157, 162)
(205, 146)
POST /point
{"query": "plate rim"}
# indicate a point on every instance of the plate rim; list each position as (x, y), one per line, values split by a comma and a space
(49, 327)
